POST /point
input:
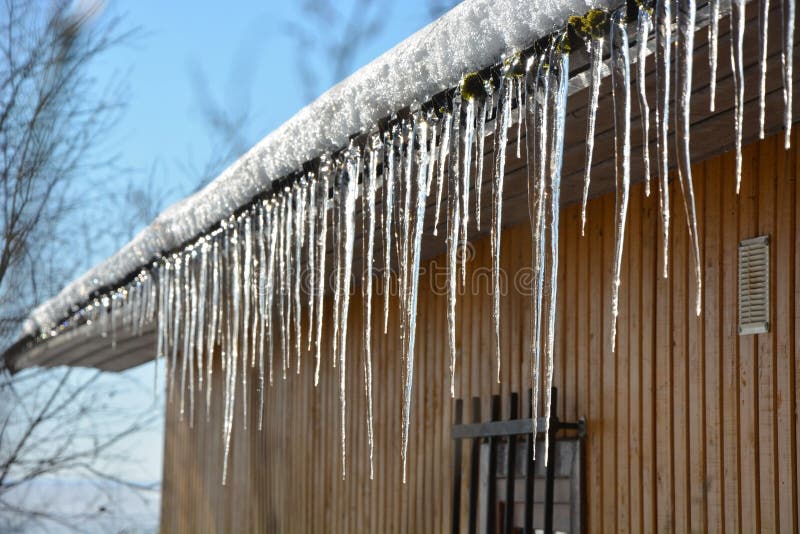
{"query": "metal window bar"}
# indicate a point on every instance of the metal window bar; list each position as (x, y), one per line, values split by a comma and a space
(492, 431)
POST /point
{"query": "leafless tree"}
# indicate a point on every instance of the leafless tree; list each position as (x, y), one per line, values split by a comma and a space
(63, 423)
(54, 116)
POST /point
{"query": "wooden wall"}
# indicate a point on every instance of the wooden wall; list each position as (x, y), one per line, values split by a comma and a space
(690, 427)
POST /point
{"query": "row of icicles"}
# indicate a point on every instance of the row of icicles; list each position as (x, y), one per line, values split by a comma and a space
(241, 287)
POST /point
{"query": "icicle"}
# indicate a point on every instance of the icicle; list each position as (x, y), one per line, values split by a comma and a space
(447, 123)
(560, 73)
(621, 91)
(538, 132)
(388, 201)
(175, 307)
(261, 305)
(186, 336)
(239, 323)
(348, 219)
(232, 341)
(413, 289)
(161, 327)
(787, 60)
(686, 25)
(466, 158)
(312, 253)
(595, 45)
(202, 298)
(283, 272)
(299, 228)
(405, 214)
(369, 181)
(762, 63)
(453, 228)
(737, 64)
(456, 178)
(644, 26)
(325, 169)
(520, 114)
(501, 139)
(212, 327)
(192, 335)
(482, 110)
(246, 284)
(338, 237)
(273, 226)
(713, 51)
(663, 70)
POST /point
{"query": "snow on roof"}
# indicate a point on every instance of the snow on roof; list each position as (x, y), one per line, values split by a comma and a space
(473, 35)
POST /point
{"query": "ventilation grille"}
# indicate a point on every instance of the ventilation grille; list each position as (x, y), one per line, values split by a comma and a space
(754, 286)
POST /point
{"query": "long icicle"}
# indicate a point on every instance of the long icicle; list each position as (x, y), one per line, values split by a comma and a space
(762, 64)
(299, 228)
(311, 231)
(349, 213)
(388, 201)
(560, 74)
(483, 109)
(466, 159)
(368, 210)
(621, 91)
(644, 25)
(538, 143)
(737, 64)
(663, 87)
(325, 172)
(713, 52)
(453, 227)
(503, 122)
(595, 45)
(686, 25)
(787, 60)
(447, 123)
(413, 289)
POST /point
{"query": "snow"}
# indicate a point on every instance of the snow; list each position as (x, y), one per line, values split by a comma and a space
(471, 36)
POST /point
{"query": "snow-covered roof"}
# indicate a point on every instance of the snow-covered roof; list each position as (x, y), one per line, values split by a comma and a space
(473, 35)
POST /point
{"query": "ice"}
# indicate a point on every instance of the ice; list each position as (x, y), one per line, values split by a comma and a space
(762, 63)
(787, 60)
(737, 64)
(663, 88)
(686, 24)
(560, 79)
(370, 181)
(506, 91)
(453, 230)
(713, 51)
(644, 26)
(595, 46)
(413, 289)
(349, 224)
(447, 123)
(621, 90)
(388, 201)
(325, 170)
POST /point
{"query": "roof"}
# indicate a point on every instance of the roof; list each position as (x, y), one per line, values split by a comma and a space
(473, 35)
(432, 60)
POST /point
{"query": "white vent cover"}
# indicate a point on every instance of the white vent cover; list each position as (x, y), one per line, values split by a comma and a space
(754, 286)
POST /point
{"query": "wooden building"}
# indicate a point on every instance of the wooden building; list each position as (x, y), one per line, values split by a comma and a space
(688, 425)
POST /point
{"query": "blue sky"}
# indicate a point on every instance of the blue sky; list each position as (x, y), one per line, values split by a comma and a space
(247, 59)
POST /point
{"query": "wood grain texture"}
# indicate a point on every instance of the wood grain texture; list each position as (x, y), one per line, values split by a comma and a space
(690, 427)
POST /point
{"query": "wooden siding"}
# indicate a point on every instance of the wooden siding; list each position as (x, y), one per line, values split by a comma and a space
(690, 427)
